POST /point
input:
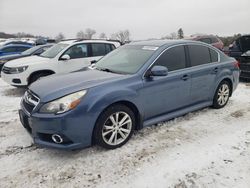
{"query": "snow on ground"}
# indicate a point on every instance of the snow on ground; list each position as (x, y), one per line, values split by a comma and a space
(206, 148)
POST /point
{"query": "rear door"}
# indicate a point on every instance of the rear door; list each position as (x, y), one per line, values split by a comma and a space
(204, 66)
(164, 94)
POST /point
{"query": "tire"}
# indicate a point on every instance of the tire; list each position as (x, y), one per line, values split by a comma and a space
(107, 127)
(36, 76)
(222, 95)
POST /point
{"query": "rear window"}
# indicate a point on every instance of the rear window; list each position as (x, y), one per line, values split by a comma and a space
(214, 40)
(206, 40)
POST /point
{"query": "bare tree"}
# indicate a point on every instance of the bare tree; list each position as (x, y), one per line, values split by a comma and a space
(123, 36)
(180, 33)
(60, 37)
(102, 36)
(80, 35)
(89, 33)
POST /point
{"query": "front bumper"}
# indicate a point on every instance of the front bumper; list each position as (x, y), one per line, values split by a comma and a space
(15, 79)
(75, 128)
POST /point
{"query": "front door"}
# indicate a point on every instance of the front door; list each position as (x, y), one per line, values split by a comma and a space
(79, 58)
(165, 94)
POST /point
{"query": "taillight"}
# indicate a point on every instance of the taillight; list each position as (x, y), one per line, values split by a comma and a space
(237, 64)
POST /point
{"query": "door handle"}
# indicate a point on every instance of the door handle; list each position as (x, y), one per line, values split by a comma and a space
(185, 77)
(215, 70)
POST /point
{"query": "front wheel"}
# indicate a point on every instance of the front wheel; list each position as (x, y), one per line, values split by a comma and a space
(114, 127)
(222, 95)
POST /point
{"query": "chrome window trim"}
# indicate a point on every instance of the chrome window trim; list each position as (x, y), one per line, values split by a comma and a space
(183, 44)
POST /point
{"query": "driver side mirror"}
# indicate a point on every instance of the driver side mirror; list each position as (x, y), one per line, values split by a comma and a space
(65, 57)
(157, 71)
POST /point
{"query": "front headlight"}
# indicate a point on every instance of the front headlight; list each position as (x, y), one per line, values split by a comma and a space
(16, 70)
(63, 104)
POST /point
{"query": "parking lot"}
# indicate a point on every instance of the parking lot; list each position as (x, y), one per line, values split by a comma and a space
(207, 148)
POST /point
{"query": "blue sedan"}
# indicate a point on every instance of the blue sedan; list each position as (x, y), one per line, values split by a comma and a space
(13, 49)
(135, 86)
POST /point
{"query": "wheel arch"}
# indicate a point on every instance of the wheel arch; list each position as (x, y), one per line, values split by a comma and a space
(131, 106)
(40, 71)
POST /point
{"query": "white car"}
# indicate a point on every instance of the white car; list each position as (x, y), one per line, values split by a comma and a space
(64, 57)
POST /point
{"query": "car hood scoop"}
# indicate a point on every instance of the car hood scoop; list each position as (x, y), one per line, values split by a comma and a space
(56, 86)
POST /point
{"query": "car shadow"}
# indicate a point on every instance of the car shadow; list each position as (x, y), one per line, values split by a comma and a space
(14, 92)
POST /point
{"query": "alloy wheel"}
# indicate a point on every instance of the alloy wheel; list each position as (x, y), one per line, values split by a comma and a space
(223, 94)
(117, 128)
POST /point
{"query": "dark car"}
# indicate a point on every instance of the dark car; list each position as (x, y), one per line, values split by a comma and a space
(17, 42)
(134, 86)
(209, 39)
(36, 50)
(240, 50)
(13, 49)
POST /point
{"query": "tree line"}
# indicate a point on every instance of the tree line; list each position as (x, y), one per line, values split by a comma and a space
(123, 35)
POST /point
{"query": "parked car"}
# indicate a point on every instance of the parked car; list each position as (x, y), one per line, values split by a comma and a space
(135, 86)
(240, 50)
(64, 57)
(14, 42)
(209, 39)
(36, 50)
(13, 49)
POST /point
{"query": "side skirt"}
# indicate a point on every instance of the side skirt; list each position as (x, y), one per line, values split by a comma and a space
(175, 114)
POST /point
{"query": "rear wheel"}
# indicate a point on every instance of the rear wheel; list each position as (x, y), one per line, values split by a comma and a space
(222, 95)
(114, 127)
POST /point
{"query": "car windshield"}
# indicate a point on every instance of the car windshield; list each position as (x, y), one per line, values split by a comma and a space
(30, 51)
(126, 60)
(53, 51)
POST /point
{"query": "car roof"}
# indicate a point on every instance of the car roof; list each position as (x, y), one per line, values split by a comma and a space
(76, 41)
(159, 43)
(16, 45)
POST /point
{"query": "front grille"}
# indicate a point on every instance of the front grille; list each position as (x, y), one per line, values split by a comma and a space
(6, 70)
(30, 101)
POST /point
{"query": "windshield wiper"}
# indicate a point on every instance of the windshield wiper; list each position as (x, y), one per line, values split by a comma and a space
(105, 69)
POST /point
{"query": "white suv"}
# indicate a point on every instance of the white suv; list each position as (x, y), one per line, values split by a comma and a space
(64, 57)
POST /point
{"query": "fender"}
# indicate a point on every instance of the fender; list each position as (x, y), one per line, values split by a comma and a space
(110, 97)
(224, 74)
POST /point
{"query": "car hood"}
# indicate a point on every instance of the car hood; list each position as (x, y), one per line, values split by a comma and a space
(11, 57)
(56, 86)
(26, 61)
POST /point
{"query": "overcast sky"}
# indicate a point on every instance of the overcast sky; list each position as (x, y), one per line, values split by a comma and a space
(143, 18)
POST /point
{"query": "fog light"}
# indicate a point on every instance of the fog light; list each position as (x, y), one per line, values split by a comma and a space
(57, 138)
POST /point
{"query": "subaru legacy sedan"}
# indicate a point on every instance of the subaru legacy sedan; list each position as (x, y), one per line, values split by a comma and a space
(135, 86)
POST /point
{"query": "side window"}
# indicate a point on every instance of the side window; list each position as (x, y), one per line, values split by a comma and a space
(98, 49)
(109, 48)
(112, 47)
(9, 49)
(21, 49)
(206, 40)
(214, 55)
(214, 40)
(77, 51)
(174, 58)
(199, 55)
